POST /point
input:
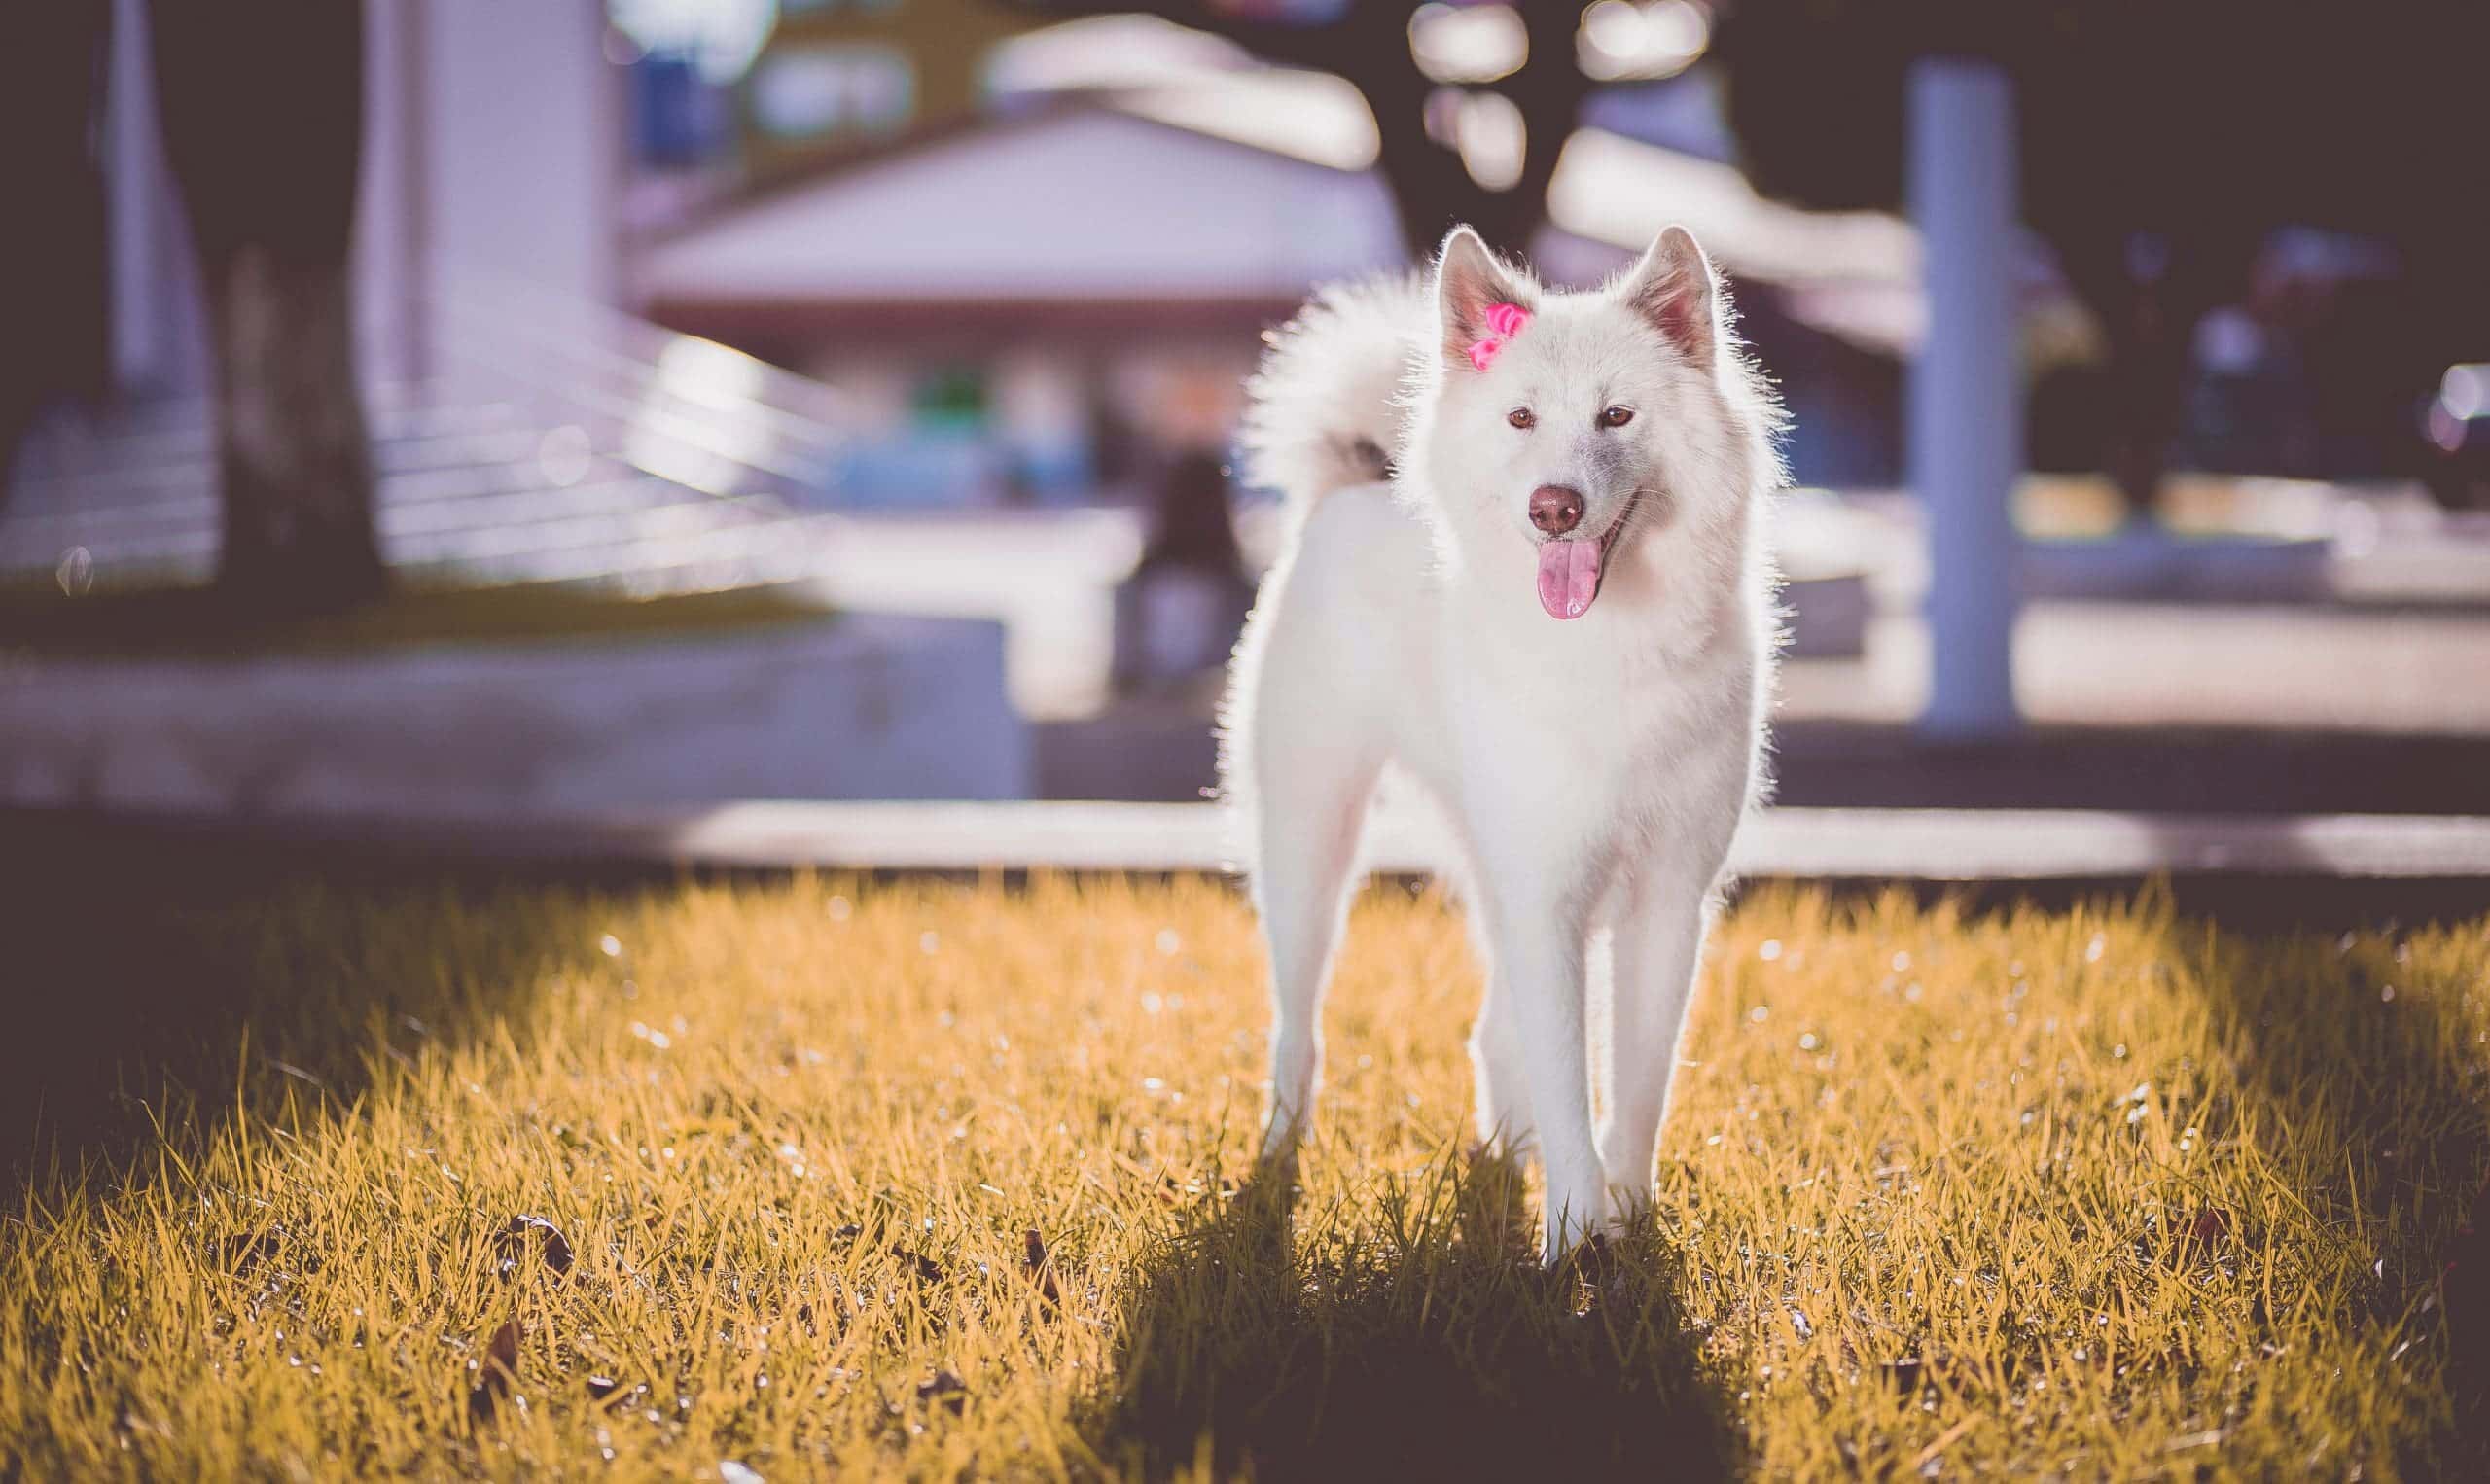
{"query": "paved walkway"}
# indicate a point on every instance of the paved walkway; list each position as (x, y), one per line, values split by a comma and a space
(1811, 845)
(2396, 641)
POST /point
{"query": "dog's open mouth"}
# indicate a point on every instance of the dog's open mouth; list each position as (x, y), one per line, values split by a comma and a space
(1570, 570)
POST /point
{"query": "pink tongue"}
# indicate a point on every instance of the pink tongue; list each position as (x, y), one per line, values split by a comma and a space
(1568, 578)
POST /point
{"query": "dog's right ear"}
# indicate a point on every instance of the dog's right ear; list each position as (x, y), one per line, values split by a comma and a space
(1469, 279)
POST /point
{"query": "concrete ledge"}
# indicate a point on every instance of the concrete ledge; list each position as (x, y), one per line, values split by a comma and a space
(1924, 845)
(862, 707)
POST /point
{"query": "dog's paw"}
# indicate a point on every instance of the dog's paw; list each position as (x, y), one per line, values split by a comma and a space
(1280, 1141)
(1629, 1207)
(1564, 1229)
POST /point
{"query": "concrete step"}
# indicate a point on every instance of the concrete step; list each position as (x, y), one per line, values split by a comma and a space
(156, 431)
(181, 466)
(671, 538)
(665, 515)
(520, 514)
(104, 526)
(674, 548)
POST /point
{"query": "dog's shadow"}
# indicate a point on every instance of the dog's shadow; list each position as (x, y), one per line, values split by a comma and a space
(1440, 1349)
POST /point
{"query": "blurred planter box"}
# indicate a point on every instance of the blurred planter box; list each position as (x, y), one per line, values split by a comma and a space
(859, 707)
(1825, 549)
(2147, 563)
(1826, 616)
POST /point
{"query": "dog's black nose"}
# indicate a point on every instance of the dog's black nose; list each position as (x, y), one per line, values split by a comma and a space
(1555, 509)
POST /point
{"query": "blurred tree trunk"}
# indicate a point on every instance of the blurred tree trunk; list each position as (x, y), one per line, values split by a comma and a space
(54, 330)
(1432, 186)
(1368, 45)
(262, 102)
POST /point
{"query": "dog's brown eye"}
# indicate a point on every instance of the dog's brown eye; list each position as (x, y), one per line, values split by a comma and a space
(1520, 417)
(1616, 417)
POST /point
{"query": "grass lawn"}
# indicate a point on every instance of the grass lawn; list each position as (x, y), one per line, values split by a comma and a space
(2106, 1193)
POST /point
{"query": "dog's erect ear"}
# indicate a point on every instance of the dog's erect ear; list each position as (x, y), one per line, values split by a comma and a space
(1467, 280)
(1674, 288)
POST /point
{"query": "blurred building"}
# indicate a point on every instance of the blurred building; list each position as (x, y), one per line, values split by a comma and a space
(1013, 304)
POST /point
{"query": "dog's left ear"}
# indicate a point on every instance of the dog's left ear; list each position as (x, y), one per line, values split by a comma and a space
(1675, 289)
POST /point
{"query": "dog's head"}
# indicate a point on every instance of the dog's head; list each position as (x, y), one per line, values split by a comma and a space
(1570, 429)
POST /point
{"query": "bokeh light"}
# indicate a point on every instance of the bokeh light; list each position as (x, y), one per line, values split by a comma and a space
(721, 37)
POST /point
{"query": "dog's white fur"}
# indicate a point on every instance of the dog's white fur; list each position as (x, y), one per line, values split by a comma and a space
(1593, 770)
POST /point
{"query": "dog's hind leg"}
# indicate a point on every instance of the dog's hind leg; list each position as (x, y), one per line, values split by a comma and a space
(1323, 688)
(1308, 807)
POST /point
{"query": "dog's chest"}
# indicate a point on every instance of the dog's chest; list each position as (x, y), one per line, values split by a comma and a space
(1601, 714)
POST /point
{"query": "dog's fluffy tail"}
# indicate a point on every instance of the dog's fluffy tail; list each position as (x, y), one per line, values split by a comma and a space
(1325, 409)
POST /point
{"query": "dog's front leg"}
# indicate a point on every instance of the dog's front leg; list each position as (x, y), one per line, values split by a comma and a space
(1539, 966)
(1659, 939)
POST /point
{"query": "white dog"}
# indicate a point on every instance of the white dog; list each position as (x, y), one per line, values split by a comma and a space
(1556, 618)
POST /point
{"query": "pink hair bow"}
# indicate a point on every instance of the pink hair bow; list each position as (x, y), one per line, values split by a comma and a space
(1504, 321)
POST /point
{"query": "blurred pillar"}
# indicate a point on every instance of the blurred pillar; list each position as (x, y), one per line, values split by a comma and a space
(522, 148)
(390, 230)
(159, 335)
(1966, 388)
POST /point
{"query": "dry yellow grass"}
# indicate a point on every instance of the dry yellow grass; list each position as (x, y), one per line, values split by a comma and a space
(2105, 1193)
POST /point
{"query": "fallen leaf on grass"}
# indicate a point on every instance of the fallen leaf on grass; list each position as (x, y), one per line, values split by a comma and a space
(243, 1253)
(947, 1388)
(2195, 1238)
(1041, 1269)
(927, 1270)
(501, 1369)
(1957, 1373)
(253, 1247)
(512, 1243)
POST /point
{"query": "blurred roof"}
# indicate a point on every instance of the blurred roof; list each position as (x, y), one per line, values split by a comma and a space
(1077, 204)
